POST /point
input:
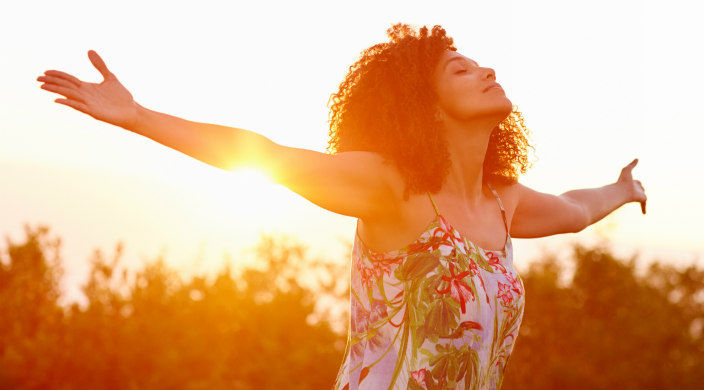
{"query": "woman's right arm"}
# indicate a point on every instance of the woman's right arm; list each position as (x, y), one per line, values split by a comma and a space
(358, 184)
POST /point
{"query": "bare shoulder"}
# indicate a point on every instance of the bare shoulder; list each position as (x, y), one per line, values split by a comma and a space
(380, 173)
(510, 194)
(373, 166)
(515, 196)
(359, 184)
(366, 159)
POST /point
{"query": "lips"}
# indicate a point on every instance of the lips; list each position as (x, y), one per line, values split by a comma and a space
(492, 85)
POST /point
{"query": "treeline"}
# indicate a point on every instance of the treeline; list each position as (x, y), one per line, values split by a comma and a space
(602, 326)
(608, 326)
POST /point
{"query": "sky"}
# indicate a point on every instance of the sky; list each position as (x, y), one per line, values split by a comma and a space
(599, 83)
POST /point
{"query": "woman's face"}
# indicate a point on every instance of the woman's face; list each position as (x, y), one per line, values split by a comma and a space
(467, 91)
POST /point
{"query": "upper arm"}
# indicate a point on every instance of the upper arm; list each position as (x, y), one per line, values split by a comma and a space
(538, 214)
(358, 184)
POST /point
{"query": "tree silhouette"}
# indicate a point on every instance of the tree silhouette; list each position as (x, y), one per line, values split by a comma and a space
(603, 326)
(253, 331)
(32, 321)
(609, 327)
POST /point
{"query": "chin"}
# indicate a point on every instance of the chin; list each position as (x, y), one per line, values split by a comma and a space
(498, 111)
(504, 110)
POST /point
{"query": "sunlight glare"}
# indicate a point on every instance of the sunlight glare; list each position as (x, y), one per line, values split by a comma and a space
(246, 192)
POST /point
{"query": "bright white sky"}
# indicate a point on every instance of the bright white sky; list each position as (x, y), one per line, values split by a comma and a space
(599, 83)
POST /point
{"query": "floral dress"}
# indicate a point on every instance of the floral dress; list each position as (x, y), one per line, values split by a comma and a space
(441, 313)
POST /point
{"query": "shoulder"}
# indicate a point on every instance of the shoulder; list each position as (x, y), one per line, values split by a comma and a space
(358, 184)
(381, 174)
(372, 164)
(511, 195)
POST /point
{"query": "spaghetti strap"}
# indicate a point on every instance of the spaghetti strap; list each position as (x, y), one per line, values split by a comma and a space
(501, 205)
(435, 207)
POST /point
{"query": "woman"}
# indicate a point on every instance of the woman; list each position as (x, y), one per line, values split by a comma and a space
(425, 150)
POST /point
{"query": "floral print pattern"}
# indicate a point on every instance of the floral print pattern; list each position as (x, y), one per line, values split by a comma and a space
(441, 313)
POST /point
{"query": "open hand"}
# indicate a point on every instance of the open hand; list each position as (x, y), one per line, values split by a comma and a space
(637, 192)
(108, 101)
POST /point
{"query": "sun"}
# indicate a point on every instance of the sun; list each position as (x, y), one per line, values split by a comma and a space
(245, 192)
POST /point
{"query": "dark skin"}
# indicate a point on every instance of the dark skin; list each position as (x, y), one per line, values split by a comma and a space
(362, 184)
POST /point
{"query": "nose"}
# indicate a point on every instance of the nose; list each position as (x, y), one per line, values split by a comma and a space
(490, 73)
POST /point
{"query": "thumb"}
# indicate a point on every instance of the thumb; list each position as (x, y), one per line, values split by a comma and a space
(99, 64)
(632, 164)
(626, 171)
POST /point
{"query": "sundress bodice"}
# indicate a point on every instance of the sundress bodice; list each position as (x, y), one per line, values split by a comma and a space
(441, 313)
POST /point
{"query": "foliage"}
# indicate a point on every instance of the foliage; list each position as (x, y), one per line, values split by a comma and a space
(608, 326)
(252, 331)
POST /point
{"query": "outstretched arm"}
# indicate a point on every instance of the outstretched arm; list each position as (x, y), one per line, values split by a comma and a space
(357, 184)
(539, 215)
(109, 101)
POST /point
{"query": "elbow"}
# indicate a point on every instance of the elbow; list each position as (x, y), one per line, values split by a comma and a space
(578, 228)
(250, 150)
(581, 220)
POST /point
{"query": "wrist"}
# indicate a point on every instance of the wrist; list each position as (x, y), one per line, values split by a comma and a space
(624, 192)
(137, 121)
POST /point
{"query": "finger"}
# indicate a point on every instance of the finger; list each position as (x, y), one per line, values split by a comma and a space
(632, 165)
(56, 81)
(641, 185)
(73, 104)
(67, 92)
(63, 75)
(99, 64)
(626, 172)
(642, 207)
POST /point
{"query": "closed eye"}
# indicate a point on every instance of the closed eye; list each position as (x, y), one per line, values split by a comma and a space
(461, 71)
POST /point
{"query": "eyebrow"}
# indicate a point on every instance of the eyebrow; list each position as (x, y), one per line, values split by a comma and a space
(460, 59)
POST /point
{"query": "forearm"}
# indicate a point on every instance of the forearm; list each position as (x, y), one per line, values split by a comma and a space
(597, 203)
(220, 146)
(539, 215)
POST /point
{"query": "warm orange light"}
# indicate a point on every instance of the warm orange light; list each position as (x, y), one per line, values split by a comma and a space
(245, 191)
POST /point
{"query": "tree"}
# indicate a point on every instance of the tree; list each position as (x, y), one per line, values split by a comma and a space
(609, 327)
(605, 325)
(253, 330)
(32, 321)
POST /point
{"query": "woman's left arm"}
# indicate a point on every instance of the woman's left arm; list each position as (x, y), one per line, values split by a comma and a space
(538, 215)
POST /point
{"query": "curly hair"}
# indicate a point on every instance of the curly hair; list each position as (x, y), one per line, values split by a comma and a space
(386, 105)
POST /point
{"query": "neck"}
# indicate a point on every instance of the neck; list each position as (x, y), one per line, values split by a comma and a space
(467, 144)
